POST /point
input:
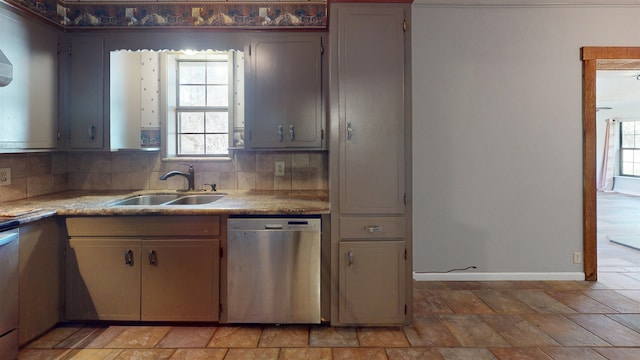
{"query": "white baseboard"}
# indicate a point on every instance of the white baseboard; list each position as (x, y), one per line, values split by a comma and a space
(512, 276)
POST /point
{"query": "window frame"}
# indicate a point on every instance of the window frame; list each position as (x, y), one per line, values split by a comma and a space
(169, 85)
(635, 149)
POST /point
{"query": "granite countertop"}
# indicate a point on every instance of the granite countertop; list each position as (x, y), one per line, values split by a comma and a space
(95, 203)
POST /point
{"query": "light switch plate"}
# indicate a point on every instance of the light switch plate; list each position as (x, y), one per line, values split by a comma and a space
(577, 257)
(5, 176)
(279, 168)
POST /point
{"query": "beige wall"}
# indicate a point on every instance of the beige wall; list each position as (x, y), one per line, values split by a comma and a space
(36, 174)
(497, 129)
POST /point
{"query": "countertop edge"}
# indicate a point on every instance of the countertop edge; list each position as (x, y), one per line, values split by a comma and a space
(91, 203)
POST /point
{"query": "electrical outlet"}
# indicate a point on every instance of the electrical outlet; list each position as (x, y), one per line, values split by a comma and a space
(5, 176)
(577, 257)
(279, 168)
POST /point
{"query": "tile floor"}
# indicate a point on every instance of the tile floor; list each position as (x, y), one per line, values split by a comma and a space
(452, 320)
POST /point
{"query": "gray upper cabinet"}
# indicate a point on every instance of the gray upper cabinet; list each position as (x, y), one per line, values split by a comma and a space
(28, 103)
(371, 109)
(85, 92)
(283, 90)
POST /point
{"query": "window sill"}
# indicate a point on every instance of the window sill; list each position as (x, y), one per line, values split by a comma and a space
(196, 159)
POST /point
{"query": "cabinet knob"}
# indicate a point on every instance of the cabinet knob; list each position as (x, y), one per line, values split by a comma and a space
(292, 133)
(349, 131)
(128, 257)
(350, 257)
(280, 133)
(91, 131)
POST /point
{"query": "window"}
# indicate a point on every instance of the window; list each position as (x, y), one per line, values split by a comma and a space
(203, 97)
(630, 148)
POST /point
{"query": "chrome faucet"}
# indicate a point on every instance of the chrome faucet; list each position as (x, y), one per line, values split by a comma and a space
(190, 176)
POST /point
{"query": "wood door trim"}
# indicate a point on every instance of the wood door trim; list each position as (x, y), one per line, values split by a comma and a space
(591, 58)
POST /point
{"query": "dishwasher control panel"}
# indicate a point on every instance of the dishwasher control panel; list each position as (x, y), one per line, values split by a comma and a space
(282, 224)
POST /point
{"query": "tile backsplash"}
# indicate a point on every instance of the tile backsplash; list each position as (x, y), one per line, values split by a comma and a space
(36, 174)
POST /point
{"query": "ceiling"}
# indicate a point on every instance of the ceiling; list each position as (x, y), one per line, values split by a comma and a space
(620, 91)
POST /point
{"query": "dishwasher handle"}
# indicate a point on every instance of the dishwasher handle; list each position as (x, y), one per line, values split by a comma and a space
(291, 224)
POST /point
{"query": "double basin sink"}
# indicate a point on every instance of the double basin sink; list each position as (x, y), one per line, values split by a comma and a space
(168, 199)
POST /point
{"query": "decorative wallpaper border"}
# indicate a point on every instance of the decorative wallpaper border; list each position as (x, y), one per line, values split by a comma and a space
(262, 15)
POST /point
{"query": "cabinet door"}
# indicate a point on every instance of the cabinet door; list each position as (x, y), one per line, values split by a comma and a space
(180, 280)
(28, 105)
(284, 92)
(370, 76)
(371, 282)
(41, 269)
(86, 81)
(103, 279)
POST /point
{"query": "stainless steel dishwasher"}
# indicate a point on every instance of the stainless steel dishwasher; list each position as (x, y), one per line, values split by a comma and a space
(273, 270)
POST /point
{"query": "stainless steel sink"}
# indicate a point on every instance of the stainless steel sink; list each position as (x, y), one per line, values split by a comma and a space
(195, 200)
(153, 199)
(167, 199)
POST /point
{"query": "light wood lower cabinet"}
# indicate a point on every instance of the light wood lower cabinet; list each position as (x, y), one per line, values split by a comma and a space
(148, 278)
(101, 283)
(180, 280)
(41, 277)
(372, 282)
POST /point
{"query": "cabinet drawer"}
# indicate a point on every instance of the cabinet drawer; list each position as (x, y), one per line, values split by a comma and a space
(170, 225)
(372, 227)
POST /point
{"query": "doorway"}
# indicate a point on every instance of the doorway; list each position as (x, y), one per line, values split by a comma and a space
(594, 58)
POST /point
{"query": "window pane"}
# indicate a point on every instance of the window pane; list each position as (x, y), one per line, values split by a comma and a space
(627, 168)
(192, 95)
(191, 122)
(191, 144)
(627, 127)
(218, 95)
(217, 122)
(192, 72)
(217, 73)
(627, 140)
(217, 144)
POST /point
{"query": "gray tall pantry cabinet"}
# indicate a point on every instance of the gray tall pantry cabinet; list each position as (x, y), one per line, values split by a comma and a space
(370, 163)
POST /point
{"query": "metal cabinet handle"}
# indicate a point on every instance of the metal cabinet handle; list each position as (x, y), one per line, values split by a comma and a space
(91, 131)
(349, 131)
(373, 228)
(153, 258)
(350, 257)
(128, 257)
(292, 133)
(280, 133)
